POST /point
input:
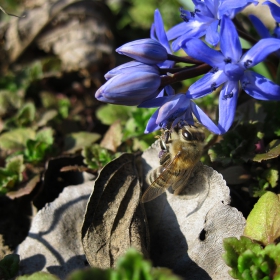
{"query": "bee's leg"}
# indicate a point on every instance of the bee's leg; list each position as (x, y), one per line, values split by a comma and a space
(165, 158)
(162, 145)
(167, 135)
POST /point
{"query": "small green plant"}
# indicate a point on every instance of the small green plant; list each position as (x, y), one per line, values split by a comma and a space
(257, 255)
(250, 261)
(36, 149)
(11, 174)
(132, 266)
(9, 266)
(96, 157)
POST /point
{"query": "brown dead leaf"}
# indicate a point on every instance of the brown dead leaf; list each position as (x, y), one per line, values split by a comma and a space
(114, 219)
(27, 189)
(113, 137)
(77, 32)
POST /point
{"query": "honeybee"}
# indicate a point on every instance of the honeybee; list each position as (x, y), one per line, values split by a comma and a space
(181, 150)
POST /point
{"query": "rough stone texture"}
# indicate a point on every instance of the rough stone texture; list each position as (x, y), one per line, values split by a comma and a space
(54, 240)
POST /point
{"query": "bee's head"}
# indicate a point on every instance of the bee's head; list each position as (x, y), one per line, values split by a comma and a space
(191, 134)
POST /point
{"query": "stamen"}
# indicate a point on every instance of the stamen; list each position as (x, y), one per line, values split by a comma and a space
(247, 63)
(227, 60)
(213, 87)
(226, 96)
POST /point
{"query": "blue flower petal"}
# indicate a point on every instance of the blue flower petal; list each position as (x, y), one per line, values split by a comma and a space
(260, 27)
(161, 94)
(173, 108)
(227, 105)
(169, 90)
(199, 50)
(193, 29)
(260, 51)
(204, 119)
(274, 9)
(147, 51)
(230, 44)
(212, 6)
(231, 7)
(207, 84)
(176, 31)
(160, 32)
(260, 87)
(131, 66)
(153, 103)
(153, 34)
(151, 125)
(212, 35)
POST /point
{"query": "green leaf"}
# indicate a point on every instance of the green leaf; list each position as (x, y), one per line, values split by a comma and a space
(11, 173)
(273, 251)
(45, 135)
(46, 117)
(110, 113)
(263, 223)
(96, 156)
(77, 141)
(131, 266)
(273, 151)
(9, 266)
(272, 176)
(249, 260)
(36, 149)
(163, 274)
(24, 117)
(16, 139)
(48, 100)
(63, 107)
(38, 276)
(9, 100)
(235, 248)
(238, 145)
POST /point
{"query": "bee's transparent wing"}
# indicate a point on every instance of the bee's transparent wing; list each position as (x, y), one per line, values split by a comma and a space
(182, 181)
(164, 179)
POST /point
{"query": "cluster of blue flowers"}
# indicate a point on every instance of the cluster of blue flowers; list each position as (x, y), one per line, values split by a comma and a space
(146, 81)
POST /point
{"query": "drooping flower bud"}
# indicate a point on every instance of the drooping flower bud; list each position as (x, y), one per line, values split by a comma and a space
(129, 88)
(147, 51)
(131, 66)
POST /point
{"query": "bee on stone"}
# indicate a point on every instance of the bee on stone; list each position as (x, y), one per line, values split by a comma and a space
(181, 149)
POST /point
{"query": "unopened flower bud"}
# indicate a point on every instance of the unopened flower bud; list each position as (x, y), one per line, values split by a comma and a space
(147, 51)
(131, 67)
(129, 89)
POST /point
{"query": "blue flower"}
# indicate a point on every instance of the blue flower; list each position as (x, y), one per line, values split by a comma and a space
(262, 29)
(176, 109)
(129, 88)
(136, 81)
(205, 20)
(230, 68)
(147, 51)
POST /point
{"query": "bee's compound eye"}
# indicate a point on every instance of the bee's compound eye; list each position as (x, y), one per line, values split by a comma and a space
(187, 135)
